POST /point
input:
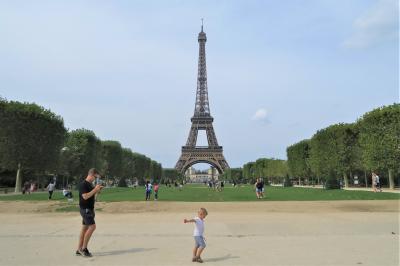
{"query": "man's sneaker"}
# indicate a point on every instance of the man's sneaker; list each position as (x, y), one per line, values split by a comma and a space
(85, 252)
(78, 253)
(199, 260)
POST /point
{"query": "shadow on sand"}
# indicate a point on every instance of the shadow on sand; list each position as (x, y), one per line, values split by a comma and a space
(120, 252)
(226, 257)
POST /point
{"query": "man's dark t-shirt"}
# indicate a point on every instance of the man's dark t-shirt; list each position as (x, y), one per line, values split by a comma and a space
(86, 187)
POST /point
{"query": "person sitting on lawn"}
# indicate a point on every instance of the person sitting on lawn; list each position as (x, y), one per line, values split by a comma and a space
(67, 193)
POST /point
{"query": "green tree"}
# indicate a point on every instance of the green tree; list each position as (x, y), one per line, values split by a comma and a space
(233, 175)
(31, 137)
(142, 167)
(128, 166)
(249, 172)
(380, 140)
(112, 155)
(156, 171)
(298, 159)
(171, 174)
(278, 169)
(273, 169)
(260, 167)
(333, 151)
(82, 151)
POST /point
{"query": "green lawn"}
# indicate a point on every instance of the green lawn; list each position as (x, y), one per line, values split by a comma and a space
(199, 193)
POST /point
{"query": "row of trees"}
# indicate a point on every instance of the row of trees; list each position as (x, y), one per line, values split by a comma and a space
(342, 151)
(170, 175)
(83, 150)
(34, 140)
(233, 175)
(30, 138)
(273, 170)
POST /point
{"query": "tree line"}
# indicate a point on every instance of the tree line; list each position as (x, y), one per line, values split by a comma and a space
(270, 169)
(34, 141)
(351, 151)
(338, 153)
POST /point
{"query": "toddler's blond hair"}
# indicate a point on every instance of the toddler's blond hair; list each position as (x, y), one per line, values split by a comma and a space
(203, 210)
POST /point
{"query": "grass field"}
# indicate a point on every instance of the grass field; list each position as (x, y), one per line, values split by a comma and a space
(200, 193)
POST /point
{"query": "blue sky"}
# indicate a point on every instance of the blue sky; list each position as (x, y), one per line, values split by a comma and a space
(277, 70)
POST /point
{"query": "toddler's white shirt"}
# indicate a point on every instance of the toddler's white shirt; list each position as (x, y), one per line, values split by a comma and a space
(198, 227)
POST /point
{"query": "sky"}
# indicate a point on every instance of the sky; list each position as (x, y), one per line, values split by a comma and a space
(278, 71)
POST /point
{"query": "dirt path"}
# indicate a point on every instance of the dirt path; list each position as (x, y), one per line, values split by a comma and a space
(255, 233)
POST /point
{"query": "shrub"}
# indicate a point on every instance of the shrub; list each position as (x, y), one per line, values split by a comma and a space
(287, 182)
(122, 183)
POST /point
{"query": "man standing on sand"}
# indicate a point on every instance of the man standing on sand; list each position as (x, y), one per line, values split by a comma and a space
(86, 203)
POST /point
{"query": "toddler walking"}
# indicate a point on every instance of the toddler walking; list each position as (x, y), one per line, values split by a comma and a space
(199, 241)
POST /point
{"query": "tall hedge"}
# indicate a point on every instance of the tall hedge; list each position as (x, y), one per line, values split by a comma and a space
(31, 137)
(334, 151)
(380, 140)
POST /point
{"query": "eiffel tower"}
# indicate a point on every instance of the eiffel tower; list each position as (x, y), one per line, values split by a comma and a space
(202, 120)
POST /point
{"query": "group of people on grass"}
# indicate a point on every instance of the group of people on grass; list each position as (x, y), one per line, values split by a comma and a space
(217, 185)
(67, 193)
(259, 187)
(51, 187)
(87, 194)
(149, 188)
(29, 187)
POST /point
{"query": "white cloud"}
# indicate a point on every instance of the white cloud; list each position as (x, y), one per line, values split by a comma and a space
(261, 114)
(378, 25)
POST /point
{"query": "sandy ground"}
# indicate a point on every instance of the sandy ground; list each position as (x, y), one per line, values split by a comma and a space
(246, 233)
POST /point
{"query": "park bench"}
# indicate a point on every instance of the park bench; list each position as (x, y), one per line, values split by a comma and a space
(4, 190)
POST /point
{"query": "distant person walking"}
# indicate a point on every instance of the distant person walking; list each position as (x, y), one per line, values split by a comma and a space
(262, 188)
(50, 187)
(26, 188)
(377, 182)
(86, 203)
(373, 177)
(148, 188)
(156, 187)
(33, 187)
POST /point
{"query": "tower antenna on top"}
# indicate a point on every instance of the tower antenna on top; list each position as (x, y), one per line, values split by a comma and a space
(202, 24)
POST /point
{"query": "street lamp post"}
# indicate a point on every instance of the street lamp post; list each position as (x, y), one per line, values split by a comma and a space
(62, 151)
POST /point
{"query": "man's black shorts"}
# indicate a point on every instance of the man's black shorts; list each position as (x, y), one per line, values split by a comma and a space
(87, 216)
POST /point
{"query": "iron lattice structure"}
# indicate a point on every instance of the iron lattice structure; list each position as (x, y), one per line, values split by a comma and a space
(202, 120)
